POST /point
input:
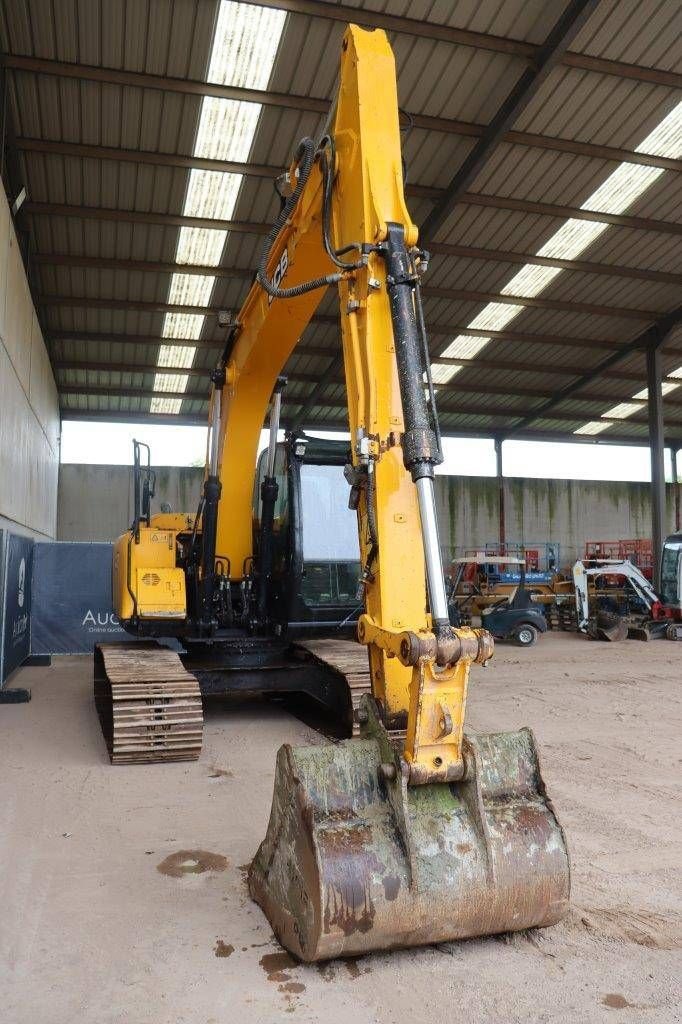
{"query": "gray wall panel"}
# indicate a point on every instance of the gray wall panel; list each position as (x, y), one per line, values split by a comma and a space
(95, 504)
(29, 405)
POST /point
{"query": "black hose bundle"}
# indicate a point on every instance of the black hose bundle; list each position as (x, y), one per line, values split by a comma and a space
(370, 497)
(328, 166)
(305, 156)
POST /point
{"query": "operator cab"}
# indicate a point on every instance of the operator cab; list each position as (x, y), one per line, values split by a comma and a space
(315, 550)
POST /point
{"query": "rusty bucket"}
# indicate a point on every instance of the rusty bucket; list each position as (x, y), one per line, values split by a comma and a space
(355, 860)
(608, 626)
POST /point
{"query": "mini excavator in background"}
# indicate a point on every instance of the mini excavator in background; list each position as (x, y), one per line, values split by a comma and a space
(413, 832)
(633, 608)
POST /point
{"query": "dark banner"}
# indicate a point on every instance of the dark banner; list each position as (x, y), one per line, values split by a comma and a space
(16, 603)
(72, 605)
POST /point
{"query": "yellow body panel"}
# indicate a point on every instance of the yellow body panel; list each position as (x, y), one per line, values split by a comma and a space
(179, 522)
(122, 598)
(161, 593)
(153, 556)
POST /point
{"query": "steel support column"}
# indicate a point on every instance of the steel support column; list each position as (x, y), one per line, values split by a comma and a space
(657, 450)
(502, 531)
(676, 484)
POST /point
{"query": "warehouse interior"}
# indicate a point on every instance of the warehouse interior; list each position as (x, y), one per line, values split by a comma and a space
(142, 149)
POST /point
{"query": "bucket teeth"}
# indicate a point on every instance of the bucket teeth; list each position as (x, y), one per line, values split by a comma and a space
(355, 860)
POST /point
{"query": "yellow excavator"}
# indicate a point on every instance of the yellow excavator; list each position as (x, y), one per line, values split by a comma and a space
(412, 832)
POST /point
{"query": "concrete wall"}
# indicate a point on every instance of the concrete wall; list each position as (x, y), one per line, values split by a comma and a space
(95, 503)
(29, 406)
(568, 512)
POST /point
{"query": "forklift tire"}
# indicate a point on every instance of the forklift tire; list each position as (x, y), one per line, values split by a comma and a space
(672, 633)
(525, 635)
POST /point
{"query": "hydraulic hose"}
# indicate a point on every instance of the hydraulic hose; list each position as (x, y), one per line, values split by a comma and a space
(328, 165)
(372, 516)
(305, 156)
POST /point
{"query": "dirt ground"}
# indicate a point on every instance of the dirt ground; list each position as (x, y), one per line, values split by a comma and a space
(122, 890)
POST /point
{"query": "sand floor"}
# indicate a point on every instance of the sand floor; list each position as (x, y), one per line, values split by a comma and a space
(98, 924)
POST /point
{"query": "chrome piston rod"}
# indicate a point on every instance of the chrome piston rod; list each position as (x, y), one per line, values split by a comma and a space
(432, 556)
(275, 413)
(215, 433)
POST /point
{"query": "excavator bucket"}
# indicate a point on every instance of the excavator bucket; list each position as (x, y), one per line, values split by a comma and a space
(356, 860)
(608, 626)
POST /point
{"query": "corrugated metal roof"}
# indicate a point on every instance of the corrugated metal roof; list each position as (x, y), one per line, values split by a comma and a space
(466, 83)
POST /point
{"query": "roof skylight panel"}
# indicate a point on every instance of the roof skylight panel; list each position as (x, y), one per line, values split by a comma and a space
(441, 373)
(666, 138)
(179, 356)
(622, 188)
(226, 129)
(666, 387)
(202, 246)
(245, 44)
(621, 411)
(211, 194)
(464, 346)
(593, 427)
(495, 316)
(183, 325)
(170, 406)
(170, 382)
(190, 289)
(243, 52)
(530, 280)
(572, 239)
